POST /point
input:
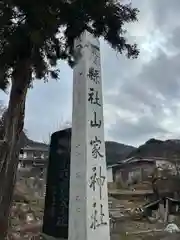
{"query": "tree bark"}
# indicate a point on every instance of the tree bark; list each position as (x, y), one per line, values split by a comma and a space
(14, 122)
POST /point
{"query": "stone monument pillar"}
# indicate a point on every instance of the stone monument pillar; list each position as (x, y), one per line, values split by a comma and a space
(88, 204)
(55, 220)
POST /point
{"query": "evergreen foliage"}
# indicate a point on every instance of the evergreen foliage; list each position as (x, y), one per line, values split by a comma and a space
(43, 32)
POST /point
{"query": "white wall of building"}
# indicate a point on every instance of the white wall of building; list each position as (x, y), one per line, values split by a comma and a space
(109, 175)
(163, 165)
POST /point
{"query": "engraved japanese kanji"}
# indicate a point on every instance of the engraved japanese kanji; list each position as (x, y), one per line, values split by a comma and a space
(95, 122)
(96, 148)
(93, 97)
(97, 180)
(97, 218)
(94, 75)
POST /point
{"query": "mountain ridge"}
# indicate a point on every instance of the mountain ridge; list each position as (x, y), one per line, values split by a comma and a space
(115, 151)
(169, 148)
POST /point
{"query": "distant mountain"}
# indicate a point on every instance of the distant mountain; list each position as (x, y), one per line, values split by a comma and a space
(158, 148)
(116, 152)
(25, 141)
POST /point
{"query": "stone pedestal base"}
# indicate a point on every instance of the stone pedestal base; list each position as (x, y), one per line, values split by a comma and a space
(47, 237)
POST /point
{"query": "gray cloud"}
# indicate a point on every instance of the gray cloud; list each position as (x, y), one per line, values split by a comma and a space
(137, 132)
(165, 11)
(148, 101)
(175, 38)
(155, 90)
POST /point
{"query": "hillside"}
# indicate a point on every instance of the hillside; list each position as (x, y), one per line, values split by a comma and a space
(158, 148)
(114, 151)
(24, 141)
(117, 151)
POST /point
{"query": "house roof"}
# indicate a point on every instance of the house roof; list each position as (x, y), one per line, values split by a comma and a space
(112, 165)
(135, 159)
(130, 160)
(36, 148)
(138, 159)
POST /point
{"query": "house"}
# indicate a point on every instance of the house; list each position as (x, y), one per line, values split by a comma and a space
(133, 170)
(138, 169)
(35, 155)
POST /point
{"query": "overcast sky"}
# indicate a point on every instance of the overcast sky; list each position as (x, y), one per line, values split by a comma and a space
(141, 97)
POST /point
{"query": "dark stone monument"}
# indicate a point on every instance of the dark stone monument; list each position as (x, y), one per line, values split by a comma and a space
(55, 221)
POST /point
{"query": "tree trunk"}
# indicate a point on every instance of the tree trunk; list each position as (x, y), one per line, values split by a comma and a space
(14, 122)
